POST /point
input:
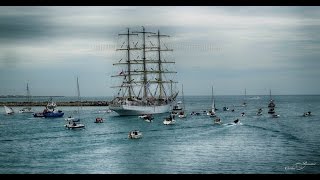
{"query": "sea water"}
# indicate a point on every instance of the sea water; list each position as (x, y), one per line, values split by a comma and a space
(289, 144)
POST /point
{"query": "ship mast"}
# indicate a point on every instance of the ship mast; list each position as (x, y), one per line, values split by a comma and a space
(128, 34)
(145, 81)
(144, 66)
(160, 82)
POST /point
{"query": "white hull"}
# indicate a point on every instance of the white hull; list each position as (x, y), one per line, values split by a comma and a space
(130, 110)
(26, 110)
(166, 122)
(8, 110)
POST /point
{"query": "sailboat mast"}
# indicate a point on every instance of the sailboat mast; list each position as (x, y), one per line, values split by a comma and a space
(28, 95)
(79, 100)
(183, 98)
(245, 95)
(270, 94)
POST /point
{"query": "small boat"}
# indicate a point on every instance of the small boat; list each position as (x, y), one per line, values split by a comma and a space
(245, 98)
(70, 118)
(275, 115)
(259, 113)
(212, 112)
(28, 108)
(9, 110)
(218, 121)
(182, 115)
(135, 134)
(307, 114)
(243, 114)
(74, 124)
(235, 122)
(52, 114)
(174, 113)
(147, 117)
(98, 120)
(195, 113)
(169, 120)
(177, 106)
(225, 108)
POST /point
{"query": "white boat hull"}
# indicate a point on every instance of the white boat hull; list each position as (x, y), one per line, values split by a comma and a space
(8, 110)
(130, 110)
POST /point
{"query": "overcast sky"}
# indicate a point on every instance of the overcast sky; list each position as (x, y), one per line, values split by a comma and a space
(232, 48)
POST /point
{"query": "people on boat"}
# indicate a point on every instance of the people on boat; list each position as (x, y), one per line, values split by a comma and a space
(99, 120)
(236, 121)
(307, 113)
(217, 120)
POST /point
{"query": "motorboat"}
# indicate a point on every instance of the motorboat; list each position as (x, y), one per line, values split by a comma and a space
(74, 124)
(169, 120)
(135, 134)
(217, 121)
(307, 114)
(70, 118)
(147, 117)
(26, 110)
(182, 115)
(98, 120)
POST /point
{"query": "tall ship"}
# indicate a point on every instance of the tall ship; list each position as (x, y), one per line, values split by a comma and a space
(147, 84)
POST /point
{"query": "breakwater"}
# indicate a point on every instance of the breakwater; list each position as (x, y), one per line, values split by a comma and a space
(44, 103)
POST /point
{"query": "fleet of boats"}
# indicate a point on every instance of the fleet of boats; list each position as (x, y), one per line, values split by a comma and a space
(145, 87)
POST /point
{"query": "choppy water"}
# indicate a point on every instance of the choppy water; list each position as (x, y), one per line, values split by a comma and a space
(193, 145)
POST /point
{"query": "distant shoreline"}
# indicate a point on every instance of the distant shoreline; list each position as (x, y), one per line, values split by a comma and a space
(23, 96)
(70, 103)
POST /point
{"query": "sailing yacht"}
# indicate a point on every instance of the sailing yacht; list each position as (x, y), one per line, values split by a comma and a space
(146, 86)
(74, 123)
(28, 108)
(271, 107)
(182, 113)
(245, 98)
(8, 110)
(212, 112)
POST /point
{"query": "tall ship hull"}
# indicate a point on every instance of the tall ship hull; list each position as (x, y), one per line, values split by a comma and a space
(129, 110)
(146, 77)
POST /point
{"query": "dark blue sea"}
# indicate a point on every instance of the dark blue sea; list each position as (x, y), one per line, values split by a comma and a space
(289, 144)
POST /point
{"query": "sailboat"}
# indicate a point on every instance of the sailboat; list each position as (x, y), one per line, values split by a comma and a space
(212, 112)
(8, 110)
(271, 107)
(245, 98)
(27, 109)
(146, 86)
(74, 123)
(182, 113)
